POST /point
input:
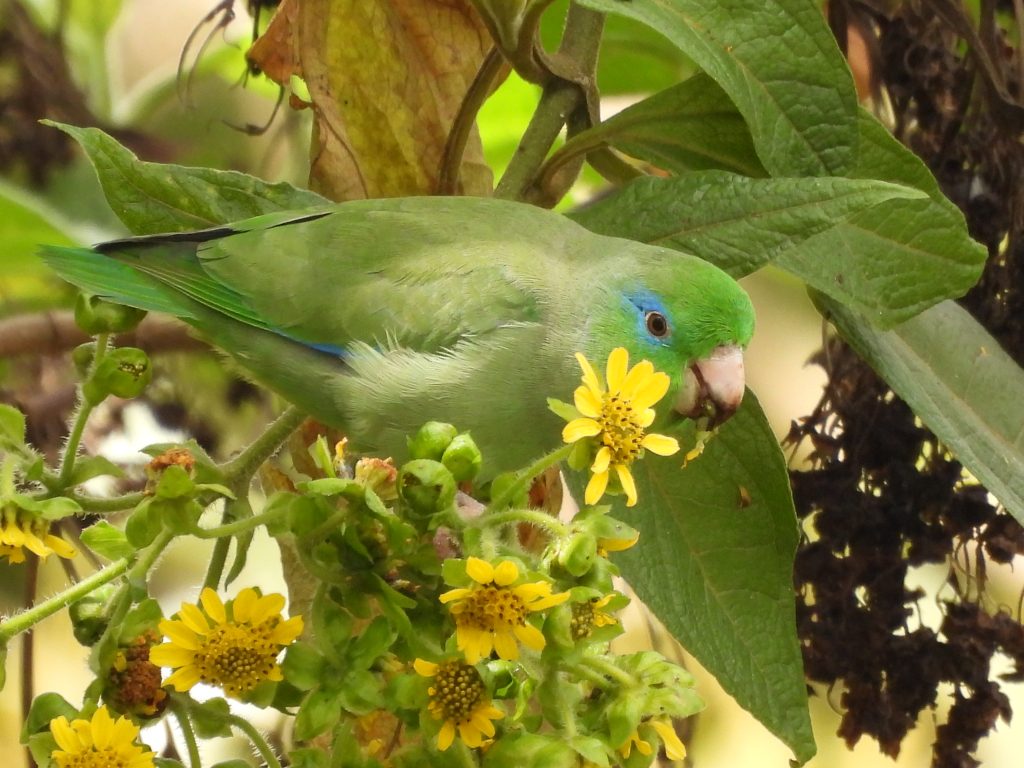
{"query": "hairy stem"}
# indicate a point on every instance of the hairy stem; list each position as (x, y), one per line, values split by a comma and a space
(67, 464)
(253, 734)
(526, 476)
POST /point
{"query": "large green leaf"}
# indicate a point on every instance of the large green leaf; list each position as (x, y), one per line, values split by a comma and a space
(715, 561)
(961, 384)
(781, 66)
(692, 126)
(153, 197)
(25, 222)
(894, 260)
(733, 221)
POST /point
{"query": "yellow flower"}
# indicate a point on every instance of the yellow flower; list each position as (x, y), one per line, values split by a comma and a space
(101, 742)
(674, 748)
(458, 697)
(234, 646)
(588, 615)
(491, 614)
(20, 531)
(617, 417)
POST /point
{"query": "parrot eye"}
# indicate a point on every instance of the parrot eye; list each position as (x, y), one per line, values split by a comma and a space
(657, 325)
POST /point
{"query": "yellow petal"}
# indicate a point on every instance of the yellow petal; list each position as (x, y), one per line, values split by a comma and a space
(602, 460)
(505, 573)
(194, 619)
(618, 362)
(424, 667)
(596, 487)
(243, 604)
(506, 646)
(60, 547)
(646, 418)
(532, 590)
(627, 483)
(651, 390)
(663, 445)
(63, 734)
(267, 607)
(637, 377)
(482, 723)
(479, 570)
(35, 544)
(530, 636)
(674, 748)
(183, 679)
(102, 728)
(470, 734)
(213, 606)
(446, 735)
(287, 630)
(547, 602)
(168, 655)
(180, 635)
(577, 429)
(589, 377)
(587, 402)
(454, 594)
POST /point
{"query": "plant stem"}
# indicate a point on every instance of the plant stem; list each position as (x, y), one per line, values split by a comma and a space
(257, 740)
(526, 476)
(113, 504)
(561, 98)
(32, 616)
(458, 136)
(67, 464)
(187, 733)
(531, 516)
(238, 526)
(607, 671)
(239, 470)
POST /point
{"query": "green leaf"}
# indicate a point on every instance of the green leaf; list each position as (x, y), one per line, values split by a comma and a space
(692, 126)
(717, 570)
(107, 541)
(211, 719)
(88, 467)
(25, 222)
(153, 197)
(735, 222)
(894, 260)
(961, 384)
(46, 707)
(799, 102)
(12, 426)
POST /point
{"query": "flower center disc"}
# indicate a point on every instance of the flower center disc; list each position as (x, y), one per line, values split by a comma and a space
(490, 608)
(456, 692)
(621, 430)
(237, 657)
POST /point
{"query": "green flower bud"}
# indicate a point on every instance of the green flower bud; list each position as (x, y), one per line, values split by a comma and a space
(503, 482)
(123, 372)
(431, 440)
(89, 615)
(95, 315)
(82, 356)
(426, 486)
(462, 458)
(578, 553)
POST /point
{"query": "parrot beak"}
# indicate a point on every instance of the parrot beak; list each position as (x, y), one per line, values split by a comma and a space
(713, 386)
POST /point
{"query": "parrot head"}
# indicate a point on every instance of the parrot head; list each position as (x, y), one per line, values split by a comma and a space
(692, 321)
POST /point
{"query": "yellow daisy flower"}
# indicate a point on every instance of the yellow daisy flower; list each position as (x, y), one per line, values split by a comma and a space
(491, 614)
(20, 531)
(101, 742)
(234, 647)
(588, 615)
(617, 417)
(458, 697)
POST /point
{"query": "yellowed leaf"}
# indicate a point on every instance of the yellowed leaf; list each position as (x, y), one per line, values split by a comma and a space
(386, 78)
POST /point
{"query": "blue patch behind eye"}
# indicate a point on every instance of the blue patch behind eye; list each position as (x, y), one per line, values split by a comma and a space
(644, 301)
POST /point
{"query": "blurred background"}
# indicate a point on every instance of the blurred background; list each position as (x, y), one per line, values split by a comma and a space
(169, 80)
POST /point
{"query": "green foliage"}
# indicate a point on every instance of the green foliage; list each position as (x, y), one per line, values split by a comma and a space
(771, 162)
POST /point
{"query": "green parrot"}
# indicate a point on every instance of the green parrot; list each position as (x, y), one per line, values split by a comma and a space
(375, 316)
